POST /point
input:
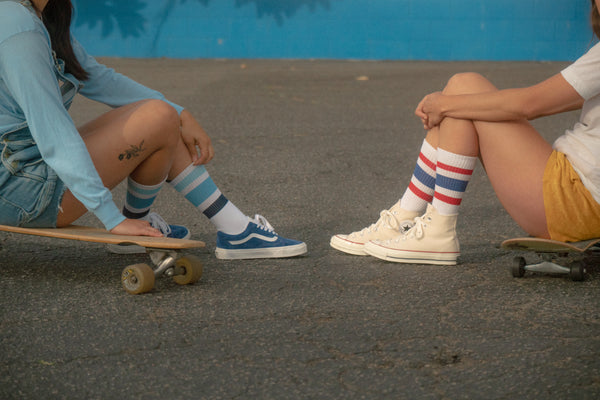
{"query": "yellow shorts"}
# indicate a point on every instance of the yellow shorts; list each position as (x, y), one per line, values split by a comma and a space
(572, 214)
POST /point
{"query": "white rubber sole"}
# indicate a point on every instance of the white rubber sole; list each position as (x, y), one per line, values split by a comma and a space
(411, 257)
(338, 242)
(267, 252)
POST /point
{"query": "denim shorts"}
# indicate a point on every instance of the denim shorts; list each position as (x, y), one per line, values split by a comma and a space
(30, 191)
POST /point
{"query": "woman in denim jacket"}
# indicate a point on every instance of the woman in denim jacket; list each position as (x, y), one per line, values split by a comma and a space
(51, 173)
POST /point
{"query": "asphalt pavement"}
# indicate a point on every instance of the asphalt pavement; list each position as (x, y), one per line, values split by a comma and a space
(318, 148)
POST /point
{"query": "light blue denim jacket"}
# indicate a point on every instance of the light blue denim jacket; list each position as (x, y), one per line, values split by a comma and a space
(35, 95)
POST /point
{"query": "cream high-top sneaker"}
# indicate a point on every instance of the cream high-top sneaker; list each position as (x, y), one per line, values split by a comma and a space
(432, 240)
(390, 224)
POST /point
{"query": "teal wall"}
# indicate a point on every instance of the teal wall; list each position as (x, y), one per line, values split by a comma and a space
(336, 29)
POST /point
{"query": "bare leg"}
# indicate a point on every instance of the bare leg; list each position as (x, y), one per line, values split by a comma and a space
(513, 154)
(141, 139)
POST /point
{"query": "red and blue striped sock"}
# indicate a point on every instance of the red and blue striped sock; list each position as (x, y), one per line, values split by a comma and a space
(454, 172)
(422, 184)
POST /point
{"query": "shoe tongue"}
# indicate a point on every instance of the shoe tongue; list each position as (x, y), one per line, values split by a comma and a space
(262, 221)
(159, 223)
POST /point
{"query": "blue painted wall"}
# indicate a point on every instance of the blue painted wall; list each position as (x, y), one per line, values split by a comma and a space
(336, 29)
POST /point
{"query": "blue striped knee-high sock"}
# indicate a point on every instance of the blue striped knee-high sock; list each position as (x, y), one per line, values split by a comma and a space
(196, 185)
(139, 198)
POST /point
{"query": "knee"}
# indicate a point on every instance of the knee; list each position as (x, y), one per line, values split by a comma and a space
(161, 114)
(162, 120)
(468, 82)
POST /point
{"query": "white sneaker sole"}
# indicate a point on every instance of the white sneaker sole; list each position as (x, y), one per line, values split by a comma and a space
(267, 252)
(411, 257)
(340, 243)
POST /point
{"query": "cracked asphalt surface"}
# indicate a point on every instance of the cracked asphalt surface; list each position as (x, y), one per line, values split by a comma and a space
(318, 147)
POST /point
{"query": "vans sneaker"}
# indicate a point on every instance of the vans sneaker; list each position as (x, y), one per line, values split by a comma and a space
(391, 223)
(432, 240)
(170, 231)
(259, 240)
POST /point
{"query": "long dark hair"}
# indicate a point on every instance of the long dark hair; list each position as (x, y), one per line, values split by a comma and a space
(57, 19)
(595, 19)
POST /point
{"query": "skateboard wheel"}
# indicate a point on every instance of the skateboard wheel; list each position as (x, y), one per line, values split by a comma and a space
(518, 267)
(577, 271)
(137, 278)
(193, 270)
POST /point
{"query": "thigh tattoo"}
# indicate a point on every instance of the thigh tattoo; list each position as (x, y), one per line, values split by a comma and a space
(132, 152)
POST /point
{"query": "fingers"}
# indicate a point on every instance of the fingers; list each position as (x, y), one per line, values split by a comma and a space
(207, 153)
(197, 141)
(201, 154)
(150, 231)
(135, 227)
(193, 150)
(201, 151)
(428, 111)
(422, 115)
(425, 122)
(419, 110)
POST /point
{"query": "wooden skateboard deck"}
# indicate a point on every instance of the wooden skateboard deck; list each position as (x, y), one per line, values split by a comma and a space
(137, 278)
(97, 235)
(547, 245)
(551, 251)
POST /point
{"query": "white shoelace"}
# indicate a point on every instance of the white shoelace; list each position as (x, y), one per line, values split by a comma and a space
(263, 223)
(386, 218)
(158, 222)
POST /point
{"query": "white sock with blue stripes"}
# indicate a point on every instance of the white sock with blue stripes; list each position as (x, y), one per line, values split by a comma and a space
(139, 198)
(196, 185)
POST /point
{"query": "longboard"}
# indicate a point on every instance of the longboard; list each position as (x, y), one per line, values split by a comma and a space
(553, 253)
(136, 278)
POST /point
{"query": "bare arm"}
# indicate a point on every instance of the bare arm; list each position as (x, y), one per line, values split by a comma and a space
(552, 96)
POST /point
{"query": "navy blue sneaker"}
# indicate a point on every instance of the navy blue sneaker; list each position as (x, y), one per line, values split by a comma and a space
(259, 240)
(170, 231)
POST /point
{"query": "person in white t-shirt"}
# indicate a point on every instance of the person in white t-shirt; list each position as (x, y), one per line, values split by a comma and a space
(550, 191)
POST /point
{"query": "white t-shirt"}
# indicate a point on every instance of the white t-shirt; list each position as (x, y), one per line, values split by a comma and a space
(581, 144)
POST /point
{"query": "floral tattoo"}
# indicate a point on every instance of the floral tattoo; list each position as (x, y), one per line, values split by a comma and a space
(132, 152)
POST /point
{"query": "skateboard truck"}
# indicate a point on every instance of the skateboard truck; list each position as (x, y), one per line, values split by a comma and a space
(576, 270)
(573, 256)
(140, 278)
(165, 263)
